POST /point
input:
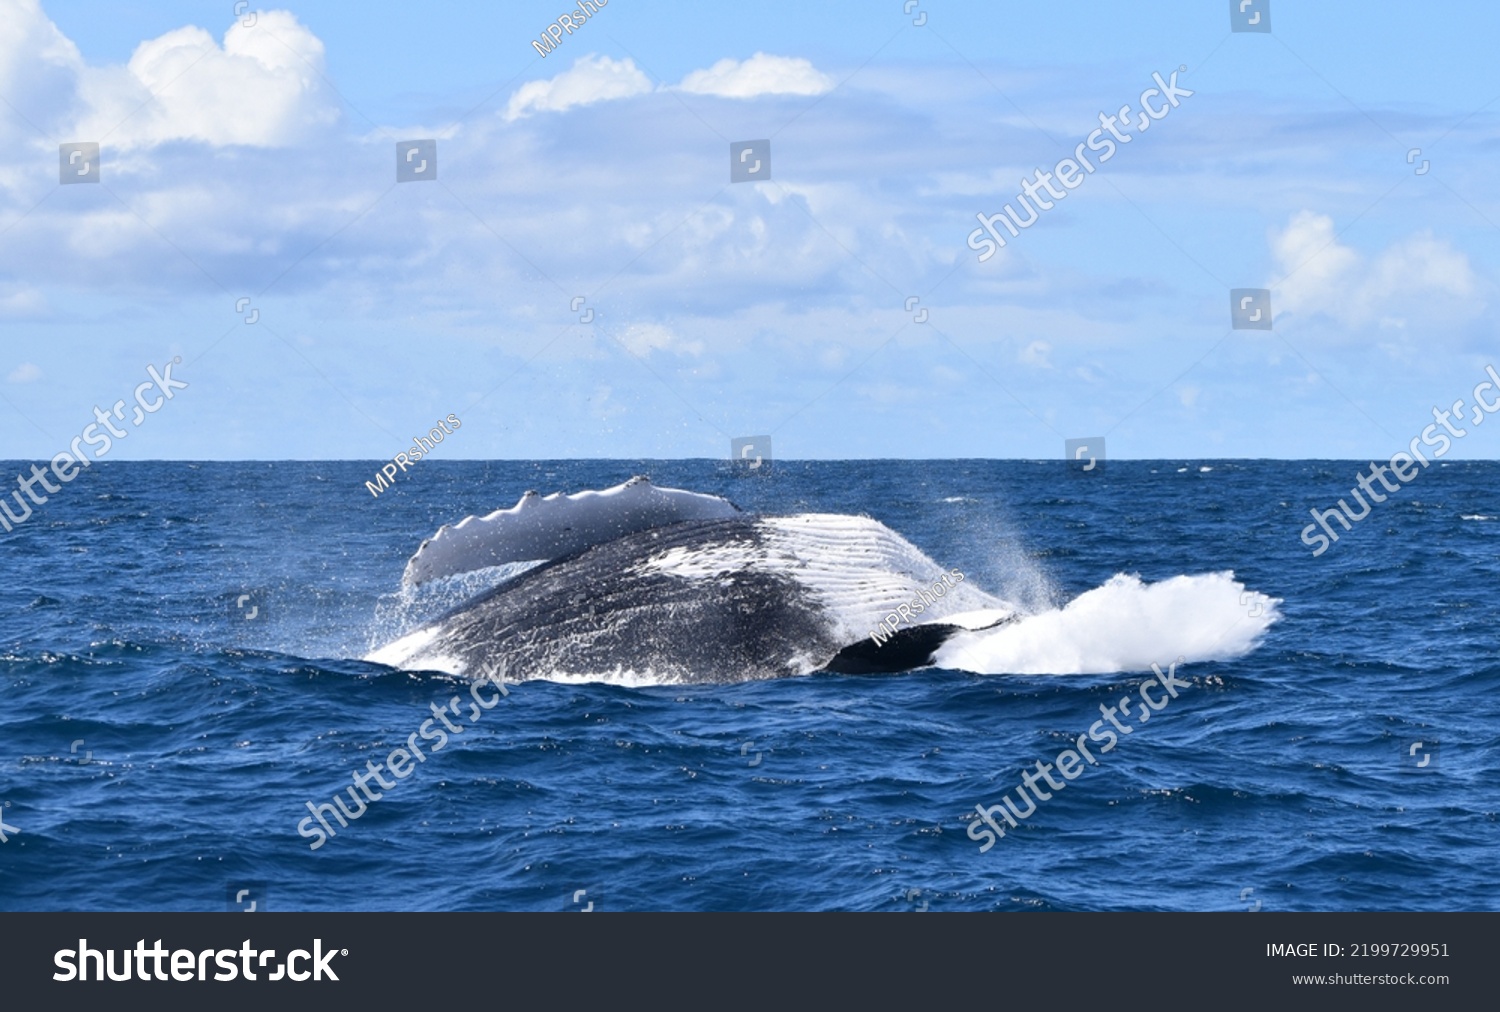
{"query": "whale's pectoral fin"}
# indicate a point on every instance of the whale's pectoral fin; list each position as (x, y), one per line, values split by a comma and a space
(542, 529)
(907, 648)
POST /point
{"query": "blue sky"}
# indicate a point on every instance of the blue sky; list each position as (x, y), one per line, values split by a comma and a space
(259, 162)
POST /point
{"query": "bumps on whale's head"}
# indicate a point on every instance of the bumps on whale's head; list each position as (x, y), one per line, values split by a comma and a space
(544, 528)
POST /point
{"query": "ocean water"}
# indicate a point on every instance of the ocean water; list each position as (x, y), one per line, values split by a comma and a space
(180, 668)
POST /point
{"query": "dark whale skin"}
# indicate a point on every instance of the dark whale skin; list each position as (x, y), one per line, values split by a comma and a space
(600, 611)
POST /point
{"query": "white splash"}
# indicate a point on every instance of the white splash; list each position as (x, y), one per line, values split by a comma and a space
(1124, 626)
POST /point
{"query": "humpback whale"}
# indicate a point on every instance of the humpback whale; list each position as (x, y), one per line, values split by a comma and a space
(679, 586)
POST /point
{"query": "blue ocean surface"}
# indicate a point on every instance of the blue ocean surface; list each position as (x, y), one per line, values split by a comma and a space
(180, 664)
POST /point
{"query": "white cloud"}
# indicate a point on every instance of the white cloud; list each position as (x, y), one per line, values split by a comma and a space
(595, 78)
(1036, 353)
(760, 75)
(263, 87)
(591, 79)
(39, 66)
(644, 338)
(21, 300)
(1417, 278)
(24, 373)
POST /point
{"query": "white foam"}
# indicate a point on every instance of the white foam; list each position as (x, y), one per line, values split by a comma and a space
(624, 677)
(691, 564)
(404, 649)
(1124, 626)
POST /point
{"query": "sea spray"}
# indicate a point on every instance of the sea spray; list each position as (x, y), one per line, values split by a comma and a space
(1123, 626)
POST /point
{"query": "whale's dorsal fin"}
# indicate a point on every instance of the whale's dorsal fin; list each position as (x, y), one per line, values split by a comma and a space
(538, 528)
